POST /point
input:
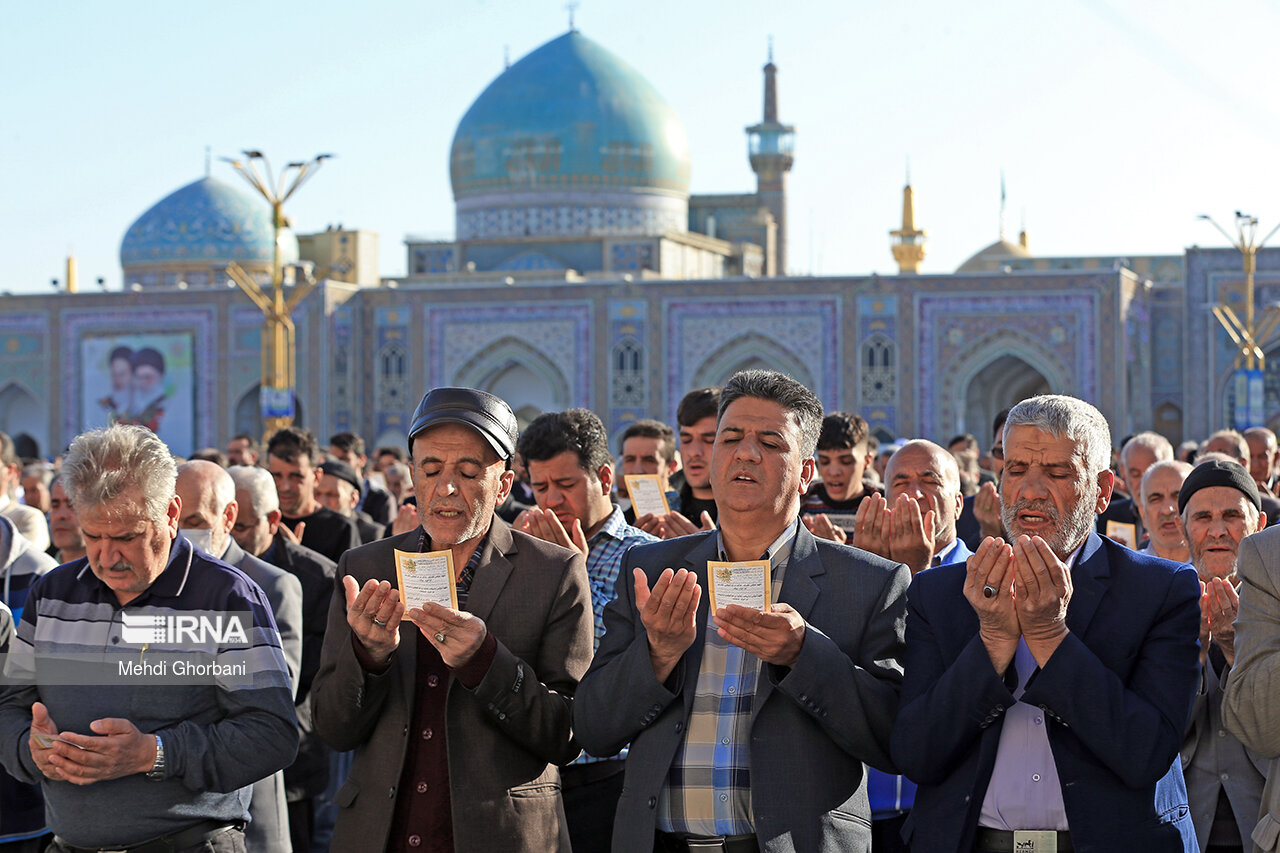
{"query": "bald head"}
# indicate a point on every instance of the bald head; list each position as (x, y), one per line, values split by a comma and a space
(929, 474)
(1262, 453)
(208, 496)
(1140, 453)
(1229, 442)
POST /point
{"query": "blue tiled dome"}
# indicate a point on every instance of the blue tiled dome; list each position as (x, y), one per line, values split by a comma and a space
(207, 221)
(569, 116)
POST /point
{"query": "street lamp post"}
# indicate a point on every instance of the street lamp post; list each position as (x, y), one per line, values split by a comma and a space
(1248, 335)
(279, 369)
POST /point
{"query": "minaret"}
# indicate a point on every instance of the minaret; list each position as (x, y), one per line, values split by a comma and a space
(908, 243)
(771, 146)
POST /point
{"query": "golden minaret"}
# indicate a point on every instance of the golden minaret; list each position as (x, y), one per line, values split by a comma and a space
(908, 243)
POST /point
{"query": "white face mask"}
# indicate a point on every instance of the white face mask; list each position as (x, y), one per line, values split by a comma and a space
(202, 539)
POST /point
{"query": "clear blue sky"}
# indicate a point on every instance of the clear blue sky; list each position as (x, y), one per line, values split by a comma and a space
(1115, 122)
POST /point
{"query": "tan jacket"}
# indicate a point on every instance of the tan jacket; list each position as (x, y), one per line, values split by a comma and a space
(1251, 702)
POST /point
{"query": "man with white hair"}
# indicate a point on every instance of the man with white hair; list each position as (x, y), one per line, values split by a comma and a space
(1048, 713)
(1121, 520)
(1219, 507)
(257, 531)
(154, 764)
(399, 481)
(1157, 498)
(1262, 458)
(208, 511)
(1229, 442)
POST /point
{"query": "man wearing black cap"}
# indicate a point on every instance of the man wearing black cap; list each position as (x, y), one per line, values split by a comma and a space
(458, 717)
(339, 490)
(1220, 506)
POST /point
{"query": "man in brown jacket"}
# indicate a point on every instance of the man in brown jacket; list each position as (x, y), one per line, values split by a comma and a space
(458, 717)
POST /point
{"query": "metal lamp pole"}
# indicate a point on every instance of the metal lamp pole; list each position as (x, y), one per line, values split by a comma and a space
(279, 369)
(1248, 334)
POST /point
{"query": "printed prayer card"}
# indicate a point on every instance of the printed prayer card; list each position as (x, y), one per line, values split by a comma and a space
(426, 577)
(1125, 534)
(646, 494)
(746, 584)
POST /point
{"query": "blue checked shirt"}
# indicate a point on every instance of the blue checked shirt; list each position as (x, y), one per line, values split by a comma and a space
(604, 563)
(708, 790)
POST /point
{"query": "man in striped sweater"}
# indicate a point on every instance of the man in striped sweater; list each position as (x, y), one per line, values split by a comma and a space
(143, 735)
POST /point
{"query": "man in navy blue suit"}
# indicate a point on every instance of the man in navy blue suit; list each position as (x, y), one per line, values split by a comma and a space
(1047, 713)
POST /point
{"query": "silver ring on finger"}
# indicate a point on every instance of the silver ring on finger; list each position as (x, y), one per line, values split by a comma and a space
(379, 622)
(440, 638)
(989, 591)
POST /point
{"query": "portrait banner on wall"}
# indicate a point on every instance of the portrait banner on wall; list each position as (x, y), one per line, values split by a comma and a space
(140, 379)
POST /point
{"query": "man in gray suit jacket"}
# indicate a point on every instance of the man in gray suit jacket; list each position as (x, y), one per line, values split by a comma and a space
(1219, 507)
(1251, 702)
(208, 513)
(458, 716)
(749, 727)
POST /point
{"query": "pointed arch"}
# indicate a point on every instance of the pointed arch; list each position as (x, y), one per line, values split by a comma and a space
(749, 352)
(523, 376)
(1168, 421)
(21, 413)
(997, 372)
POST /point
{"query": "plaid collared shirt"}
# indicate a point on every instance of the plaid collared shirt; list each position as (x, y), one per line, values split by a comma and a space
(604, 563)
(708, 790)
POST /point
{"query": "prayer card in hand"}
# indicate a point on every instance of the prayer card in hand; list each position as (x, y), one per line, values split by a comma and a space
(426, 577)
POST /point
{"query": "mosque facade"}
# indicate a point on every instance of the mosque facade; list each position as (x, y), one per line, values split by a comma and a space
(584, 273)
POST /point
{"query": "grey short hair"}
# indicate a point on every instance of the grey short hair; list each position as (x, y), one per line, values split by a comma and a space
(41, 470)
(1214, 456)
(104, 464)
(260, 486)
(786, 392)
(1153, 441)
(1263, 433)
(1183, 469)
(402, 471)
(224, 488)
(1236, 439)
(1067, 417)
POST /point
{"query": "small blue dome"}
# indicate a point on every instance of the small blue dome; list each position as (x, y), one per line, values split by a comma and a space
(569, 116)
(207, 221)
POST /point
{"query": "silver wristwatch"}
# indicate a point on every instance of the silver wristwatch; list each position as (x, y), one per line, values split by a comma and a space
(156, 773)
